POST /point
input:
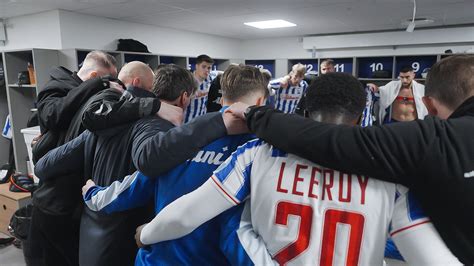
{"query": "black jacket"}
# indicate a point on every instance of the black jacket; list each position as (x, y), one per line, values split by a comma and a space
(433, 157)
(62, 104)
(151, 145)
(62, 97)
(110, 108)
(58, 104)
(215, 95)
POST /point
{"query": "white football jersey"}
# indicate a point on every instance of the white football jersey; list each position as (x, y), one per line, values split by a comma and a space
(198, 103)
(311, 215)
(287, 99)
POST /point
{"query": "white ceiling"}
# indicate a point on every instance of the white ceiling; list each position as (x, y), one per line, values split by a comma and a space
(226, 17)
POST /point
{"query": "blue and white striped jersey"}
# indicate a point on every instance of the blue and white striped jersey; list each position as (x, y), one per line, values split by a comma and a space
(308, 214)
(198, 104)
(368, 114)
(287, 99)
(217, 242)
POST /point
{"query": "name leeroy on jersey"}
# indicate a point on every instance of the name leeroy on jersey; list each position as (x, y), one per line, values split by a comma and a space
(319, 183)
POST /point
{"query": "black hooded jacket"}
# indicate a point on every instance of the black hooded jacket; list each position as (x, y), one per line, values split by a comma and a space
(58, 102)
(62, 104)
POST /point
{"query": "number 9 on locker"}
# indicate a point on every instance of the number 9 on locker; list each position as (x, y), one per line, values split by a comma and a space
(418, 63)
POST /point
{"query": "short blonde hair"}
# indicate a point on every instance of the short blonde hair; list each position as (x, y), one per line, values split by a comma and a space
(242, 80)
(298, 69)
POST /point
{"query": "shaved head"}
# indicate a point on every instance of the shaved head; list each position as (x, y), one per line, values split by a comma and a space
(137, 74)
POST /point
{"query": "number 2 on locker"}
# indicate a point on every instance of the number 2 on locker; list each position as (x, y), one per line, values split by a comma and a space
(331, 219)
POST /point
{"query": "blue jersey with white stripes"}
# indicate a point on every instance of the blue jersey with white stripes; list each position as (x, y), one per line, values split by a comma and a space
(368, 114)
(198, 103)
(287, 99)
(295, 202)
(214, 243)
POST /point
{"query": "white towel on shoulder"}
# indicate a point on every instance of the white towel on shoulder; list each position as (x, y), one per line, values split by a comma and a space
(389, 92)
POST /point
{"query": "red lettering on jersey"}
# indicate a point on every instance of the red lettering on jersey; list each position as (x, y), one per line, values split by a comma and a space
(341, 187)
(298, 179)
(314, 181)
(331, 220)
(282, 170)
(363, 181)
(327, 186)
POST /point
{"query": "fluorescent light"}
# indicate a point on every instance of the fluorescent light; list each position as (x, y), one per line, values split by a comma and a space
(270, 24)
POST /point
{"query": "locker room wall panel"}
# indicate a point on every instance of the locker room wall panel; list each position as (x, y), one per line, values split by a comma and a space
(159, 40)
(41, 30)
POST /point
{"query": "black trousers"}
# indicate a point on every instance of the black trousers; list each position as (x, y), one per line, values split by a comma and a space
(53, 239)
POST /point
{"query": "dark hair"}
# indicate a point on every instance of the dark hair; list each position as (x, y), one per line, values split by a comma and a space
(336, 93)
(204, 58)
(172, 80)
(406, 69)
(451, 80)
(329, 62)
(239, 81)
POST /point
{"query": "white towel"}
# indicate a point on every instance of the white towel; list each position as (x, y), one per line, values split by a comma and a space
(389, 92)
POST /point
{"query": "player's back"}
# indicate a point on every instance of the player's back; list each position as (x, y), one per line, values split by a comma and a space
(311, 215)
(202, 246)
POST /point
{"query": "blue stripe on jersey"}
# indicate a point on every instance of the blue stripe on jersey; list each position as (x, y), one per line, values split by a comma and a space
(367, 119)
(278, 99)
(278, 153)
(121, 195)
(283, 106)
(188, 113)
(290, 106)
(230, 221)
(201, 105)
(391, 250)
(196, 105)
(204, 107)
(7, 127)
(397, 195)
(244, 190)
(223, 173)
(414, 209)
(275, 83)
(92, 192)
(202, 246)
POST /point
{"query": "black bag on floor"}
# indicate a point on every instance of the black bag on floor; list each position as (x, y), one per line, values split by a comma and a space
(20, 222)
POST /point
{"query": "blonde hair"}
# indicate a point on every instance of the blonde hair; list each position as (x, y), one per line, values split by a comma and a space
(298, 69)
(98, 59)
(240, 81)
